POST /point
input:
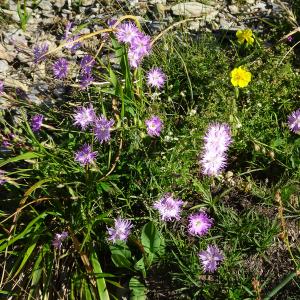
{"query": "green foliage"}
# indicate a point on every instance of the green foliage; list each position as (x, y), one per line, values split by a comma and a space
(47, 192)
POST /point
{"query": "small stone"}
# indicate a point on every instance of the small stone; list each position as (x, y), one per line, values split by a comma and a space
(164, 2)
(87, 2)
(45, 5)
(59, 3)
(7, 54)
(192, 9)
(4, 67)
(233, 9)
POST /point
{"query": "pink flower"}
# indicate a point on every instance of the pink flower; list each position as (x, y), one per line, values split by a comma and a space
(120, 231)
(156, 78)
(210, 258)
(199, 224)
(168, 207)
(154, 126)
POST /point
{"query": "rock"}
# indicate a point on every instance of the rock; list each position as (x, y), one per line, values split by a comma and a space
(193, 9)
(59, 3)
(4, 67)
(7, 54)
(87, 2)
(250, 1)
(45, 5)
(164, 2)
(233, 9)
(12, 13)
(196, 25)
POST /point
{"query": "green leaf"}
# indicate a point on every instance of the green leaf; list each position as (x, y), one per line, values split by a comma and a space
(151, 239)
(28, 155)
(101, 285)
(138, 290)
(121, 255)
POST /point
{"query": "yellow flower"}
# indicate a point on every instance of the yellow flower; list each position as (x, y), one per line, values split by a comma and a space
(240, 77)
(245, 36)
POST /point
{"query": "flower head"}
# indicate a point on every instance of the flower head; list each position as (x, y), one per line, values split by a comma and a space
(154, 126)
(87, 62)
(245, 35)
(216, 143)
(294, 121)
(290, 38)
(240, 77)
(126, 32)
(69, 37)
(102, 129)
(210, 258)
(120, 231)
(84, 116)
(1, 87)
(85, 80)
(58, 239)
(199, 223)
(39, 52)
(85, 156)
(156, 78)
(141, 44)
(134, 58)
(168, 207)
(36, 122)
(60, 68)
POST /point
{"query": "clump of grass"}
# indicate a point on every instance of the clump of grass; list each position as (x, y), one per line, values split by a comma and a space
(82, 220)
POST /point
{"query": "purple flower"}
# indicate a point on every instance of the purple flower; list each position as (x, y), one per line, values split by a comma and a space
(85, 80)
(36, 122)
(60, 68)
(210, 258)
(154, 126)
(1, 87)
(70, 38)
(84, 116)
(141, 44)
(87, 62)
(168, 207)
(216, 143)
(120, 231)
(102, 129)
(134, 58)
(156, 78)
(199, 223)
(126, 32)
(2, 178)
(290, 38)
(294, 121)
(39, 52)
(85, 155)
(58, 239)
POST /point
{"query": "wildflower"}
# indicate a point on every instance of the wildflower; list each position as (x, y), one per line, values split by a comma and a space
(141, 45)
(126, 32)
(168, 207)
(245, 35)
(84, 116)
(120, 231)
(290, 38)
(36, 122)
(216, 142)
(134, 59)
(210, 258)
(240, 77)
(58, 239)
(294, 121)
(154, 126)
(156, 78)
(60, 68)
(85, 156)
(87, 62)
(85, 80)
(199, 223)
(2, 177)
(70, 38)
(102, 129)
(1, 87)
(39, 52)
